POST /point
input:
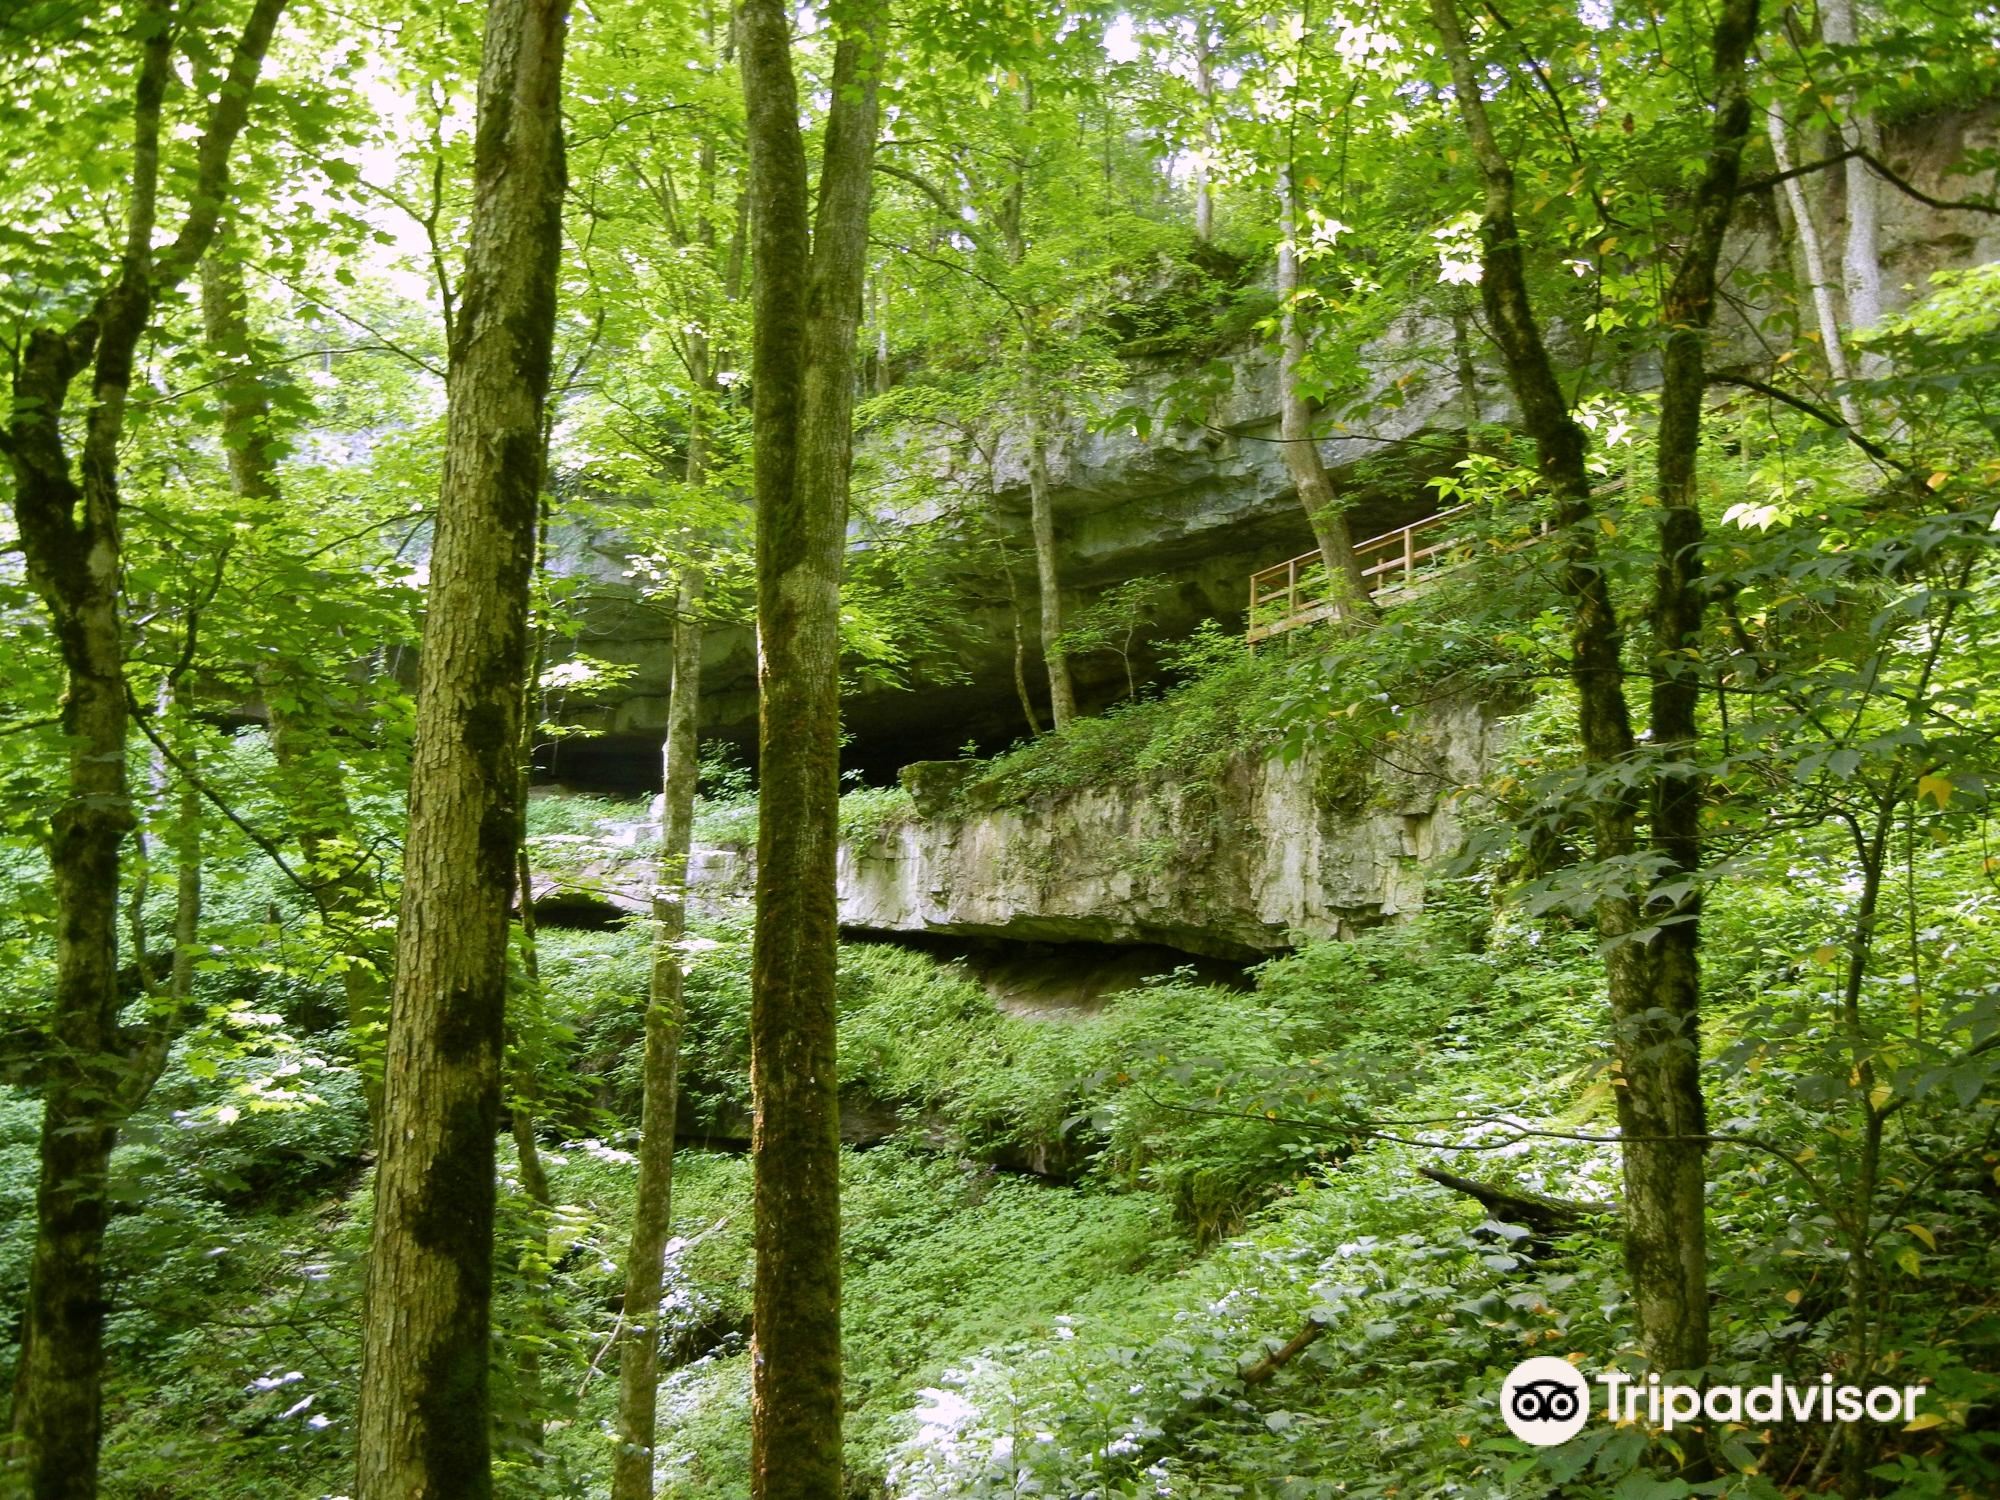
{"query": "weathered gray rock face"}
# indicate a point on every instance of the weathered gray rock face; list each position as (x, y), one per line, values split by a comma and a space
(1241, 868)
(1270, 854)
(586, 879)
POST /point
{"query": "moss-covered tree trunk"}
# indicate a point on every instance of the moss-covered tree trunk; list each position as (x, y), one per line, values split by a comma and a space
(423, 1424)
(72, 540)
(1326, 511)
(1663, 1114)
(806, 305)
(1651, 942)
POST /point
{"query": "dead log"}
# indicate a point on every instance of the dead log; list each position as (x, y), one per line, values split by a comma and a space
(1277, 1359)
(1547, 1217)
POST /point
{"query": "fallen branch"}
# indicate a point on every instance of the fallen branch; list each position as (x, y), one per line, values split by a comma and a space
(1277, 1359)
(1546, 1216)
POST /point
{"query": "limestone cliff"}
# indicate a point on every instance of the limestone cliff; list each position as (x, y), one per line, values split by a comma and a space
(1246, 865)
(1241, 867)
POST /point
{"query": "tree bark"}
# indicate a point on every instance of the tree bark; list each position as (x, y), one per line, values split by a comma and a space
(1546, 1216)
(1204, 88)
(1817, 281)
(1326, 512)
(1662, 1113)
(423, 1424)
(680, 773)
(1653, 977)
(1861, 255)
(807, 304)
(1048, 569)
(1013, 227)
(71, 538)
(1467, 370)
(652, 1216)
(1021, 660)
(1260, 1371)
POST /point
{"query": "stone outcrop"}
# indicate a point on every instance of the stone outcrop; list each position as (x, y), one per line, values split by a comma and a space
(1271, 853)
(598, 878)
(1246, 866)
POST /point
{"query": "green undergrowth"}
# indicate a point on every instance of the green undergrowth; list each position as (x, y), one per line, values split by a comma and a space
(1123, 1095)
(724, 817)
(1222, 707)
(867, 810)
(934, 1254)
(579, 814)
(1079, 1232)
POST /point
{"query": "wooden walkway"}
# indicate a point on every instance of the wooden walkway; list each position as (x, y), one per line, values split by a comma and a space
(1294, 593)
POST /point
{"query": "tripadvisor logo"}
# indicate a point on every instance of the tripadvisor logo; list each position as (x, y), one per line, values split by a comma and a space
(1546, 1401)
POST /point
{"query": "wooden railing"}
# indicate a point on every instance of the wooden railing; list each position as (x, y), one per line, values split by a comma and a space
(1295, 593)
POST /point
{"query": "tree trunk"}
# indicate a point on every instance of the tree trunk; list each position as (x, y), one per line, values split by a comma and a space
(652, 1216)
(1817, 281)
(423, 1424)
(1326, 512)
(1663, 1115)
(1204, 87)
(807, 305)
(1654, 984)
(680, 773)
(1861, 256)
(521, 1113)
(1048, 574)
(1467, 369)
(71, 540)
(342, 888)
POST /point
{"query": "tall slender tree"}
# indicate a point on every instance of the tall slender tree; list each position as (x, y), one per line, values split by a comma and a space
(666, 1010)
(1818, 284)
(423, 1427)
(67, 511)
(807, 271)
(1860, 131)
(1651, 933)
(1326, 510)
(652, 1214)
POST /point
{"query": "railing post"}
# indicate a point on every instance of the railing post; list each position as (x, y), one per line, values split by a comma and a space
(1409, 556)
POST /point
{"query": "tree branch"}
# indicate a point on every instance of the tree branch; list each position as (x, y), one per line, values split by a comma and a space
(1814, 410)
(1548, 1216)
(225, 122)
(1882, 170)
(188, 773)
